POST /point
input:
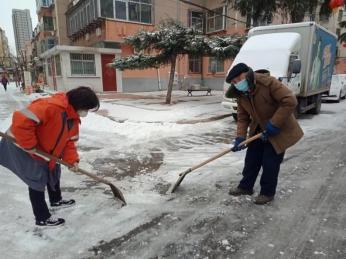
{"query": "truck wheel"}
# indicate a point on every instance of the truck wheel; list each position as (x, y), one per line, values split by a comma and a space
(235, 117)
(318, 104)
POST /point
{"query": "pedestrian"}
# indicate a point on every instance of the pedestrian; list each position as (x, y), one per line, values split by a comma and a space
(264, 105)
(4, 81)
(51, 125)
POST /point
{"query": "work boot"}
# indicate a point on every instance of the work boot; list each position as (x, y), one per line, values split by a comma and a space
(63, 203)
(51, 222)
(263, 199)
(239, 191)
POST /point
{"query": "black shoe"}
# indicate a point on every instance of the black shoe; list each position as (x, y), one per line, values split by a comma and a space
(51, 222)
(63, 203)
(263, 199)
(239, 191)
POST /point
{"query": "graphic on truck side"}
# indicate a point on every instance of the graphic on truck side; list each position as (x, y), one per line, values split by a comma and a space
(323, 51)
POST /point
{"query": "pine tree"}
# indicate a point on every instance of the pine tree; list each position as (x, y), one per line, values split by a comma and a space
(170, 40)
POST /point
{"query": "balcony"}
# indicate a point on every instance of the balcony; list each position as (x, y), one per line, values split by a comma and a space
(87, 15)
(43, 6)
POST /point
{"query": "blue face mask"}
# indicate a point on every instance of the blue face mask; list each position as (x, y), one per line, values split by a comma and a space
(242, 85)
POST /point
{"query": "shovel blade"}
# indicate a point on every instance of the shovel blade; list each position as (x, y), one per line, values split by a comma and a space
(118, 194)
(177, 183)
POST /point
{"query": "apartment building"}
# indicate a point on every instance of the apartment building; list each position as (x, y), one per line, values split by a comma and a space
(96, 31)
(22, 28)
(5, 56)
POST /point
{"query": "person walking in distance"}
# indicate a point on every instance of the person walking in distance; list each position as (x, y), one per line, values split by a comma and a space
(265, 106)
(4, 81)
(51, 125)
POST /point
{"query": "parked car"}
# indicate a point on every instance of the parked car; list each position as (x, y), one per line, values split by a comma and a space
(337, 89)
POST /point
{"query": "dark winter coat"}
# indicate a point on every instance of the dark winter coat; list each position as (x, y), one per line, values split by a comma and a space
(4, 81)
(268, 100)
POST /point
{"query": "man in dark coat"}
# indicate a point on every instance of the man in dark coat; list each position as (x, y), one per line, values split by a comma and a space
(4, 82)
(264, 105)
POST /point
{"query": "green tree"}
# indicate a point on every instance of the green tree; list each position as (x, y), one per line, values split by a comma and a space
(254, 10)
(259, 11)
(170, 41)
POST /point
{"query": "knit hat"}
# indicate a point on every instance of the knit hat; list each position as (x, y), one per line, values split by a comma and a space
(236, 71)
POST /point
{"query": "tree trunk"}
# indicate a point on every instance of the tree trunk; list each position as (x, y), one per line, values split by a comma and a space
(171, 79)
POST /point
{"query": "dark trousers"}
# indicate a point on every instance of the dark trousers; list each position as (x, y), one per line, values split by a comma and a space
(259, 155)
(38, 202)
(5, 87)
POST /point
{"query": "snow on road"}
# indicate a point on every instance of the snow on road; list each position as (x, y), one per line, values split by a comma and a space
(140, 148)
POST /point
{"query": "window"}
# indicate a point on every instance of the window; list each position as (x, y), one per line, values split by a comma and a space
(82, 64)
(195, 64)
(48, 24)
(197, 20)
(216, 19)
(133, 10)
(107, 8)
(50, 43)
(215, 65)
(120, 10)
(44, 3)
(57, 65)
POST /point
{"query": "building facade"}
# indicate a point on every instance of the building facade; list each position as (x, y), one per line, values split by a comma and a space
(6, 61)
(93, 24)
(103, 24)
(22, 28)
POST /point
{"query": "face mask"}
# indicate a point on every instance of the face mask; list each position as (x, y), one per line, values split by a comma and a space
(82, 113)
(242, 86)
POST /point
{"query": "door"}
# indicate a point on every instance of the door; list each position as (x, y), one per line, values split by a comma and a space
(108, 73)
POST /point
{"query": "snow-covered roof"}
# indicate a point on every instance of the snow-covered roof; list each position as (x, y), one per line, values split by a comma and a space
(269, 52)
(274, 41)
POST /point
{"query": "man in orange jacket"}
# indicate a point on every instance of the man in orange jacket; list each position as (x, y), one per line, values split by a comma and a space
(51, 125)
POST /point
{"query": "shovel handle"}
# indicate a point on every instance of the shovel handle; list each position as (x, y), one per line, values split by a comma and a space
(48, 156)
(245, 142)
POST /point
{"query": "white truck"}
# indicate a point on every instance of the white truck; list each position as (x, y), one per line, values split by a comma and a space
(301, 55)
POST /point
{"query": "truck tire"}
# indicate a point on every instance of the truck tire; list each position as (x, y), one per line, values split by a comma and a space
(318, 104)
(235, 117)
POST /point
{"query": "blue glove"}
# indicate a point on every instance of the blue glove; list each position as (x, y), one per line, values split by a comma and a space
(236, 146)
(270, 131)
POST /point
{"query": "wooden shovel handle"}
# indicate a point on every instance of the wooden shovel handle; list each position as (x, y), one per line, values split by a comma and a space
(117, 193)
(245, 142)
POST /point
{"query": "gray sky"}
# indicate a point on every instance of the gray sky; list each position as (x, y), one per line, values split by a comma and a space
(6, 17)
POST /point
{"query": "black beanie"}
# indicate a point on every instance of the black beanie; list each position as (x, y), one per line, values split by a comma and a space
(236, 71)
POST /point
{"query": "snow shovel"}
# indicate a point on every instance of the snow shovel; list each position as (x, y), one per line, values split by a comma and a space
(116, 192)
(183, 174)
